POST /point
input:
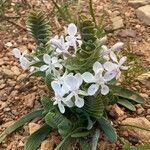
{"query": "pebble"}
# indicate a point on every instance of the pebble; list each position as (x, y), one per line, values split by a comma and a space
(1, 61)
(127, 33)
(29, 100)
(6, 109)
(33, 127)
(8, 72)
(117, 23)
(140, 122)
(9, 44)
(140, 110)
(21, 77)
(47, 144)
(143, 13)
(148, 111)
(16, 70)
(138, 3)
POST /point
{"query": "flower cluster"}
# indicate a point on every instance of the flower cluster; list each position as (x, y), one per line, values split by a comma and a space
(70, 88)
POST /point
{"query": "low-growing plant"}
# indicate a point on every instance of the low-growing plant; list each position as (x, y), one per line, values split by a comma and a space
(82, 74)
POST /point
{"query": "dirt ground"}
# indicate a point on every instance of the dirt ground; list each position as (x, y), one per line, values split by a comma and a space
(18, 97)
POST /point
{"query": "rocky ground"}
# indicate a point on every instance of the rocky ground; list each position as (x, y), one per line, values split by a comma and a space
(124, 20)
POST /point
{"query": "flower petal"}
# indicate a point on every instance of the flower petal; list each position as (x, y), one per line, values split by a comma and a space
(79, 78)
(97, 67)
(113, 56)
(93, 89)
(104, 89)
(54, 60)
(79, 102)
(72, 29)
(69, 103)
(88, 77)
(122, 61)
(61, 107)
(56, 87)
(44, 68)
(16, 52)
(109, 66)
(46, 58)
(117, 46)
(24, 63)
(71, 82)
(108, 76)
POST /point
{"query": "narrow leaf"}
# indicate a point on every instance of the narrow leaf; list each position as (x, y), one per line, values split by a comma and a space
(126, 104)
(85, 144)
(80, 134)
(108, 129)
(20, 122)
(125, 93)
(35, 139)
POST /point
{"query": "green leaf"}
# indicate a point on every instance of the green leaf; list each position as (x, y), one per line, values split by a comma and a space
(57, 120)
(85, 144)
(125, 93)
(94, 106)
(108, 129)
(80, 134)
(37, 74)
(35, 139)
(47, 104)
(38, 26)
(65, 144)
(126, 104)
(48, 80)
(20, 122)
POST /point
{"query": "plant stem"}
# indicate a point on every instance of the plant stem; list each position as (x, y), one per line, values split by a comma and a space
(60, 10)
(92, 12)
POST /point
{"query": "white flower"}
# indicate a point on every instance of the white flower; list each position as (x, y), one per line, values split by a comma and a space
(23, 60)
(60, 45)
(97, 79)
(114, 68)
(59, 99)
(50, 64)
(109, 53)
(72, 38)
(73, 84)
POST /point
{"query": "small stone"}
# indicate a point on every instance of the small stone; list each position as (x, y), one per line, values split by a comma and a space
(47, 144)
(8, 72)
(29, 100)
(127, 33)
(140, 122)
(148, 117)
(9, 44)
(2, 86)
(117, 22)
(21, 77)
(3, 105)
(16, 70)
(143, 13)
(148, 111)
(144, 95)
(115, 111)
(1, 61)
(140, 110)
(33, 127)
(138, 3)
(6, 109)
(145, 79)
